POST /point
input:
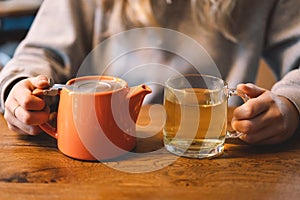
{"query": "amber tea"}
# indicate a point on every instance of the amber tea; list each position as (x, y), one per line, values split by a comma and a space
(196, 108)
(196, 115)
(195, 124)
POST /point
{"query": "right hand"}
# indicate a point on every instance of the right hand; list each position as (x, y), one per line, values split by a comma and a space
(24, 111)
(266, 118)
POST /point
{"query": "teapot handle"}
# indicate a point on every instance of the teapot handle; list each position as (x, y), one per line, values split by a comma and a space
(47, 127)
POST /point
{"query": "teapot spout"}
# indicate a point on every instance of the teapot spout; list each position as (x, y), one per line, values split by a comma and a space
(136, 97)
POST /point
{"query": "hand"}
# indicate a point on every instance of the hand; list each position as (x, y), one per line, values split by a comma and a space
(24, 111)
(266, 118)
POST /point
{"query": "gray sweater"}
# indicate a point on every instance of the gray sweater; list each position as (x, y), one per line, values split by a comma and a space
(67, 40)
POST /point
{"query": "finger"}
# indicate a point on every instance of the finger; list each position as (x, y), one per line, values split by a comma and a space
(22, 95)
(27, 117)
(268, 118)
(258, 136)
(32, 117)
(28, 101)
(246, 126)
(16, 129)
(11, 107)
(264, 136)
(40, 81)
(251, 90)
(252, 108)
(21, 128)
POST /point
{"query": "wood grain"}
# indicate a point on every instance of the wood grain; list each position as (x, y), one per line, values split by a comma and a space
(33, 168)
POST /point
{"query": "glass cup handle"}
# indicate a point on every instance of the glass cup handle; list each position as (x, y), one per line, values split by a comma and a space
(234, 92)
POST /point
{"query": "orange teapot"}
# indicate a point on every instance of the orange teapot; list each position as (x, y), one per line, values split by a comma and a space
(96, 116)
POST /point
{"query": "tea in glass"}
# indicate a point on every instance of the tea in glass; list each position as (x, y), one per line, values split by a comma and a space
(196, 122)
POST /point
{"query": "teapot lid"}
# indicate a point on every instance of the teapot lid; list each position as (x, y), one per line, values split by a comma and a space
(96, 84)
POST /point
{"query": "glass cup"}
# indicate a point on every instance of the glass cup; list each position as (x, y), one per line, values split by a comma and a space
(196, 115)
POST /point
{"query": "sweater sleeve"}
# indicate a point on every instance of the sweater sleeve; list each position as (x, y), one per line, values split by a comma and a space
(289, 87)
(282, 49)
(282, 38)
(56, 44)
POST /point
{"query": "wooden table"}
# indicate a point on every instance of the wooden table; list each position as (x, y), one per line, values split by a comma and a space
(33, 168)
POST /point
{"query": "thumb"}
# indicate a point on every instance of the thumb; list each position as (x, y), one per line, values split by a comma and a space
(251, 90)
(40, 81)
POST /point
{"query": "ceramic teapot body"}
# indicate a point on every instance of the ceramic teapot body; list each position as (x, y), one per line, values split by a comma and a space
(96, 117)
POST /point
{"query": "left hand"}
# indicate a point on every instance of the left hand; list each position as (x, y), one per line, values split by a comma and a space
(24, 112)
(266, 118)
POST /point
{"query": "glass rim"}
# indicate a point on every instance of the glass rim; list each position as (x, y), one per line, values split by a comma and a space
(167, 83)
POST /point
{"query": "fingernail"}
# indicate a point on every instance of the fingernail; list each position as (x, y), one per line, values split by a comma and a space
(249, 85)
(43, 81)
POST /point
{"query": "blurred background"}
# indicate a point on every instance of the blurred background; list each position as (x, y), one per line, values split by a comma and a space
(16, 17)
